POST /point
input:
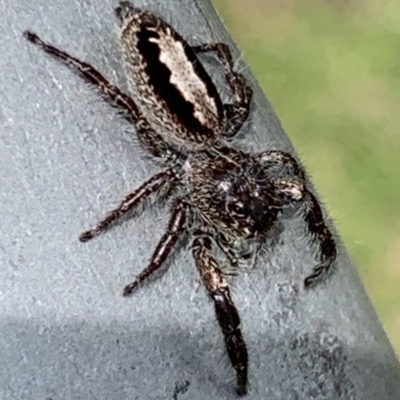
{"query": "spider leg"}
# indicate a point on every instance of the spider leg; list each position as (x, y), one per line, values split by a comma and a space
(148, 138)
(281, 164)
(111, 92)
(176, 227)
(290, 182)
(154, 144)
(159, 185)
(238, 112)
(318, 228)
(226, 312)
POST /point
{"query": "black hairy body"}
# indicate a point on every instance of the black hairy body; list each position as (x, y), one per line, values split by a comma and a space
(223, 196)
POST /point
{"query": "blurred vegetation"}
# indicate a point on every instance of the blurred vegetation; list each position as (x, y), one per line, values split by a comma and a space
(332, 73)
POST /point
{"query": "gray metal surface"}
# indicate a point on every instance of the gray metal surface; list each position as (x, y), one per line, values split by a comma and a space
(66, 332)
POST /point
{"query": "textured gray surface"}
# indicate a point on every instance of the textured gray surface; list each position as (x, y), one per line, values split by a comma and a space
(66, 330)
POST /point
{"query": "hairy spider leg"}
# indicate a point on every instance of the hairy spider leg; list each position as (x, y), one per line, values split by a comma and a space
(225, 309)
(318, 228)
(291, 185)
(283, 162)
(159, 185)
(148, 138)
(238, 112)
(176, 227)
(110, 91)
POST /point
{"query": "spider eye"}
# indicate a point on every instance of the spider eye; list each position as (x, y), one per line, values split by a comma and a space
(236, 208)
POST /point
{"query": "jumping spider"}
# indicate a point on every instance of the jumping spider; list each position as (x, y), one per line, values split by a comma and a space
(224, 196)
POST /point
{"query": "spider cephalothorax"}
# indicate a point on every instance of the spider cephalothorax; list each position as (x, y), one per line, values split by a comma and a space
(222, 195)
(233, 193)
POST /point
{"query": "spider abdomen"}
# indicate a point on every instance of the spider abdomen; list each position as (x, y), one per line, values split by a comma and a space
(171, 87)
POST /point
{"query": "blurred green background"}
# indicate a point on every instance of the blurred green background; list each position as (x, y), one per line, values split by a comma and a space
(332, 73)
